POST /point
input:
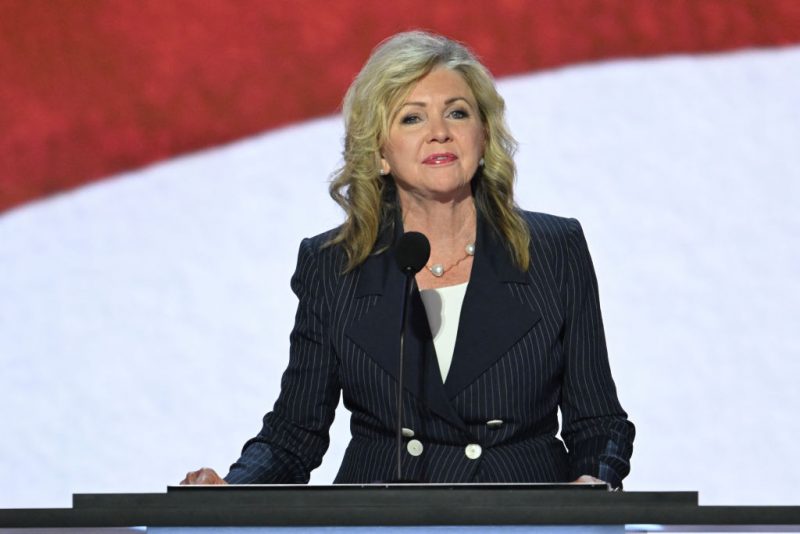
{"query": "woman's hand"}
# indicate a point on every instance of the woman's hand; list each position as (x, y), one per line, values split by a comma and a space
(204, 475)
(588, 479)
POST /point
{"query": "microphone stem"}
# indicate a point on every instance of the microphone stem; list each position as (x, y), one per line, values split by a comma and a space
(399, 436)
(409, 287)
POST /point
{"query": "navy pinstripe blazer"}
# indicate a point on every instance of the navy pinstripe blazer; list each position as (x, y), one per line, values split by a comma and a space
(527, 344)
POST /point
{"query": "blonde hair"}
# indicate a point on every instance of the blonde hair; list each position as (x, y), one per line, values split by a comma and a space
(369, 199)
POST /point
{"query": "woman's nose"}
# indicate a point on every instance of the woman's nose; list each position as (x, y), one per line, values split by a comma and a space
(439, 130)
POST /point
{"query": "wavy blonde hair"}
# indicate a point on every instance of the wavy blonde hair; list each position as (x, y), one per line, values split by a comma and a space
(369, 199)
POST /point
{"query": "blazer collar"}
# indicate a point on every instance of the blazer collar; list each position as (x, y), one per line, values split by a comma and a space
(377, 270)
(492, 320)
(491, 257)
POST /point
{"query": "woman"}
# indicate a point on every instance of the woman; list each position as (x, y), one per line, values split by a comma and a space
(505, 328)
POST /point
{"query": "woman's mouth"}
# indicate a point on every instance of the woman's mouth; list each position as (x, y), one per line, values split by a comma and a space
(440, 159)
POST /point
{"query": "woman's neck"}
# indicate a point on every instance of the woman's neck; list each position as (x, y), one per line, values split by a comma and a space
(450, 227)
(444, 224)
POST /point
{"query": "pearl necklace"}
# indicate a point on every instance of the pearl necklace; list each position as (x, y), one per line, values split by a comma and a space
(438, 270)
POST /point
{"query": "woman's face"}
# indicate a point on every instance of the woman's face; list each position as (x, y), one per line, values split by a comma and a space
(436, 138)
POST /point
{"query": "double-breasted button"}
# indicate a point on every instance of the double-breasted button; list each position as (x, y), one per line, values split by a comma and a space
(473, 451)
(494, 423)
(407, 433)
(414, 447)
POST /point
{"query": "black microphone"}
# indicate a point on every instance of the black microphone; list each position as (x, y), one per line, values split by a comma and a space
(411, 252)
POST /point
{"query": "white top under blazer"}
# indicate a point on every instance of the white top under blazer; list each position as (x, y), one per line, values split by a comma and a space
(443, 307)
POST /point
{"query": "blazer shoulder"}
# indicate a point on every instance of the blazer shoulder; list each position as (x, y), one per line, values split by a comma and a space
(551, 228)
(317, 250)
(319, 242)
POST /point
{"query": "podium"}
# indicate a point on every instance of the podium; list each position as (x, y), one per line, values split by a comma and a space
(401, 508)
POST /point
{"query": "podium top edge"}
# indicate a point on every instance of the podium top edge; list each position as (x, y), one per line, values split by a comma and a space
(393, 486)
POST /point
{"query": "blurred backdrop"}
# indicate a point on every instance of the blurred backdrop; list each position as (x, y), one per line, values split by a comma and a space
(160, 162)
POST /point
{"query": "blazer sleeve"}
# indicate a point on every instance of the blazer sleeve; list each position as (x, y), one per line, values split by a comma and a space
(294, 435)
(595, 428)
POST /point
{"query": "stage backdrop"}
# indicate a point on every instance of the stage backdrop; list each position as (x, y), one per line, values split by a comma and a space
(144, 263)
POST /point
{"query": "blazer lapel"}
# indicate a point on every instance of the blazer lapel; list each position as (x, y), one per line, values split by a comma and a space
(492, 318)
(378, 333)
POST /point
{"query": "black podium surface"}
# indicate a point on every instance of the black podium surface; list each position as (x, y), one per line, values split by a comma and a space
(403, 505)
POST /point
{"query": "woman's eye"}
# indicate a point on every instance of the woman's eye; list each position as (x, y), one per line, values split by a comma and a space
(459, 114)
(410, 119)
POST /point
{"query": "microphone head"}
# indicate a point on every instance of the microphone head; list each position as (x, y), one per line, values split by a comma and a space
(412, 252)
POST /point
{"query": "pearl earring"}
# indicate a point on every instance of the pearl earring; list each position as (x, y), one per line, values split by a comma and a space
(480, 163)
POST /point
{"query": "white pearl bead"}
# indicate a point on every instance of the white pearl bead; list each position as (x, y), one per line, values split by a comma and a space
(470, 249)
(437, 269)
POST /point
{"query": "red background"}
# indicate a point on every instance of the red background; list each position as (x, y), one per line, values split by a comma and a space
(90, 88)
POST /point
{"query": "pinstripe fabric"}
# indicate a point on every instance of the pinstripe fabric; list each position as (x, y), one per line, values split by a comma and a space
(528, 342)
